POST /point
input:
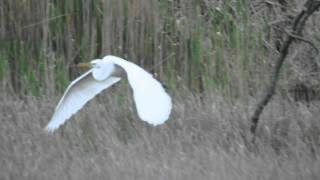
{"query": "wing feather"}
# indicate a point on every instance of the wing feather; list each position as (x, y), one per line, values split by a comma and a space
(153, 104)
(78, 93)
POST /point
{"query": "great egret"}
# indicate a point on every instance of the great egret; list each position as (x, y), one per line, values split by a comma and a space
(153, 104)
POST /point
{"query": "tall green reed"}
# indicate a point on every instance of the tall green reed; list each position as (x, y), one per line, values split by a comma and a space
(194, 44)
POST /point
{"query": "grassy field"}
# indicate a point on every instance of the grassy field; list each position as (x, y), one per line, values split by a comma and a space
(202, 140)
(215, 58)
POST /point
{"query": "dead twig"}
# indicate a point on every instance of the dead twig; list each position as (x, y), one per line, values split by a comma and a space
(303, 40)
(44, 21)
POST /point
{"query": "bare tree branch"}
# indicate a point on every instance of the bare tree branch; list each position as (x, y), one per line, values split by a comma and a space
(309, 8)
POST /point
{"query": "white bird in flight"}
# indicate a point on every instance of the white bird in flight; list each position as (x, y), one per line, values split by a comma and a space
(152, 102)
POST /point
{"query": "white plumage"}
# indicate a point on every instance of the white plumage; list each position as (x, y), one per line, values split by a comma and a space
(153, 104)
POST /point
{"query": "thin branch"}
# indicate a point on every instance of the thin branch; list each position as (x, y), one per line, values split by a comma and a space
(162, 61)
(44, 21)
(303, 40)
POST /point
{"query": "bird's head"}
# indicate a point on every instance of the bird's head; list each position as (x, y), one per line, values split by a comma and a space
(96, 63)
(92, 64)
(101, 69)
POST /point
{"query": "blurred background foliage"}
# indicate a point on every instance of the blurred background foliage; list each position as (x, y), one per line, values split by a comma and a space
(214, 56)
(228, 47)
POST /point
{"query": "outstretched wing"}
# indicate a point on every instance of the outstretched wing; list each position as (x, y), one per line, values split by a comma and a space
(78, 93)
(152, 101)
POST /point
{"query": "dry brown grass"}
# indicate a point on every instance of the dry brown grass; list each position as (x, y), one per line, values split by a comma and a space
(202, 140)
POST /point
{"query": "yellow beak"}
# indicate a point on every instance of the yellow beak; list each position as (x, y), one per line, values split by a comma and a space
(84, 65)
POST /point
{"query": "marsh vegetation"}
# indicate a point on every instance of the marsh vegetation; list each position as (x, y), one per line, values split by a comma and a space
(215, 58)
